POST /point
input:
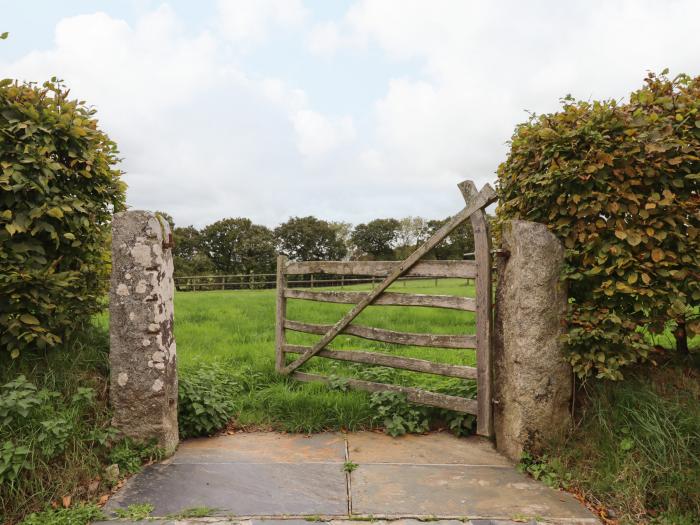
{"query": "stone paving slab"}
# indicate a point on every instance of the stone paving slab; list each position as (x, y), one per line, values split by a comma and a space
(456, 490)
(437, 448)
(242, 489)
(263, 447)
(268, 475)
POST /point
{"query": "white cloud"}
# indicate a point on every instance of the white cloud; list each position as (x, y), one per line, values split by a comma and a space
(201, 139)
(483, 63)
(324, 39)
(317, 134)
(205, 137)
(250, 21)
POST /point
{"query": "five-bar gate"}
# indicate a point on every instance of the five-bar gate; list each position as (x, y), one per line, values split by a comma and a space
(413, 266)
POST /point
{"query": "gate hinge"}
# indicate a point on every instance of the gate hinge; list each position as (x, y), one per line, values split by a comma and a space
(169, 243)
(501, 253)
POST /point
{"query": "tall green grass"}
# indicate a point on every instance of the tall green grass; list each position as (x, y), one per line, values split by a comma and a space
(637, 447)
(55, 420)
(235, 330)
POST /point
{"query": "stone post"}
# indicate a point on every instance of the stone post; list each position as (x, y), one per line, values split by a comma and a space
(143, 365)
(532, 380)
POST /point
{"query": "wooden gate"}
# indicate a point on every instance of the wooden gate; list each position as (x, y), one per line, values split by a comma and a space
(479, 270)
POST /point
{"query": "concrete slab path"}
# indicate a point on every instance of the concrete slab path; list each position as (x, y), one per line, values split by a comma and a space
(335, 477)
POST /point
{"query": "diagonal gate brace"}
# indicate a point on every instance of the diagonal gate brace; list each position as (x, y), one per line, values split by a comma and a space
(486, 196)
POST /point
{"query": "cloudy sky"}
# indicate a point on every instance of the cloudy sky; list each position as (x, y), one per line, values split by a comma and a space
(343, 110)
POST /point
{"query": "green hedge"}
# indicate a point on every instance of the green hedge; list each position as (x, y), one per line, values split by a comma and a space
(58, 189)
(619, 184)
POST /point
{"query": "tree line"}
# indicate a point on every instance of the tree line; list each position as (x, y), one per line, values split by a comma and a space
(239, 246)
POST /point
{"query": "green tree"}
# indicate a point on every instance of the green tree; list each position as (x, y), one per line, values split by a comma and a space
(411, 232)
(619, 184)
(376, 239)
(456, 245)
(309, 239)
(189, 253)
(58, 189)
(238, 246)
(343, 232)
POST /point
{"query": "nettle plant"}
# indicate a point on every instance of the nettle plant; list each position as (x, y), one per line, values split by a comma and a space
(58, 189)
(619, 184)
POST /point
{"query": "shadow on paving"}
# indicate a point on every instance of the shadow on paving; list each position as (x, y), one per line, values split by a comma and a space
(289, 475)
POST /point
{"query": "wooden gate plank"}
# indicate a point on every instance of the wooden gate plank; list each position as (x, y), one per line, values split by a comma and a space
(414, 395)
(484, 319)
(459, 269)
(389, 336)
(453, 302)
(485, 197)
(393, 361)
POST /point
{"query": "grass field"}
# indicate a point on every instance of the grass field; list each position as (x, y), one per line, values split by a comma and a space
(235, 330)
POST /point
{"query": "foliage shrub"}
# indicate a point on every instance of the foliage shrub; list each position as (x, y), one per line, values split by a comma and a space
(206, 399)
(44, 414)
(619, 184)
(54, 424)
(131, 455)
(55, 433)
(397, 416)
(58, 189)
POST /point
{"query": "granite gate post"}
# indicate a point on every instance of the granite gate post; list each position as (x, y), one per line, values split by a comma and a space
(533, 381)
(143, 364)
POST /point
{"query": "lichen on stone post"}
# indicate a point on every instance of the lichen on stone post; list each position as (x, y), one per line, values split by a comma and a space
(143, 362)
(533, 380)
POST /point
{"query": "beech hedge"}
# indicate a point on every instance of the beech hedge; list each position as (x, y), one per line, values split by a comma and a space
(58, 189)
(619, 184)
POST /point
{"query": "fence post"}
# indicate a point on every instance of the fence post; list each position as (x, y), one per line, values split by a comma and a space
(143, 368)
(312, 280)
(533, 380)
(280, 313)
(484, 319)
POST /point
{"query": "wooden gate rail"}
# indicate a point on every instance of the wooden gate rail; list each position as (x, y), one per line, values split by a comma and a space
(414, 266)
(459, 269)
(414, 395)
(204, 283)
(389, 336)
(393, 361)
(466, 304)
